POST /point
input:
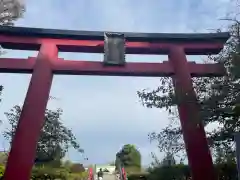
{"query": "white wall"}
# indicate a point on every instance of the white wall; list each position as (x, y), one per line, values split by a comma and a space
(111, 169)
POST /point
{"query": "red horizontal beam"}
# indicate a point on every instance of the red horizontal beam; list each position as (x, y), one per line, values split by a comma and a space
(16, 65)
(64, 45)
(133, 69)
(69, 67)
(39, 41)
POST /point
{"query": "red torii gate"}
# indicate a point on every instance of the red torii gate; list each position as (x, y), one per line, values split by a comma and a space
(47, 63)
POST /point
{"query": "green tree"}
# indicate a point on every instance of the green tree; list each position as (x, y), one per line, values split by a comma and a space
(10, 11)
(168, 160)
(219, 99)
(129, 157)
(55, 139)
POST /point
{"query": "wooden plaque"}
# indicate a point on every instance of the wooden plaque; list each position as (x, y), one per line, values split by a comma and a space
(114, 49)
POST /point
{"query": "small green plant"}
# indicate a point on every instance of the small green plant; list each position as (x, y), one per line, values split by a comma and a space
(2, 169)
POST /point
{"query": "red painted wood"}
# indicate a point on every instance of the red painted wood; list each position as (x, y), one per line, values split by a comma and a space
(70, 42)
(199, 156)
(69, 67)
(23, 150)
(133, 69)
(72, 45)
(17, 65)
(90, 174)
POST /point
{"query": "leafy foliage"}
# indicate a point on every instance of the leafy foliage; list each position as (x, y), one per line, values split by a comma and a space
(78, 176)
(68, 171)
(224, 171)
(10, 10)
(138, 176)
(49, 174)
(168, 160)
(3, 158)
(128, 157)
(55, 138)
(2, 169)
(77, 168)
(179, 171)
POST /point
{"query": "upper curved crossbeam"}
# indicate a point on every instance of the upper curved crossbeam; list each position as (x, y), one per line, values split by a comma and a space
(24, 38)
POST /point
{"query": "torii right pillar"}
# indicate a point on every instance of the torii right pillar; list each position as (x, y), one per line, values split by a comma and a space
(199, 155)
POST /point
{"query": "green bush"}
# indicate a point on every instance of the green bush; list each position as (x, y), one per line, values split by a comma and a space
(132, 170)
(78, 176)
(180, 171)
(49, 174)
(77, 168)
(137, 176)
(2, 169)
(227, 171)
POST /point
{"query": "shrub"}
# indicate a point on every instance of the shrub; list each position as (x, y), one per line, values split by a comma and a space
(2, 169)
(77, 168)
(78, 176)
(137, 176)
(226, 171)
(49, 174)
(132, 170)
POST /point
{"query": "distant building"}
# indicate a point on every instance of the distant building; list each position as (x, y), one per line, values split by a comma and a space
(106, 168)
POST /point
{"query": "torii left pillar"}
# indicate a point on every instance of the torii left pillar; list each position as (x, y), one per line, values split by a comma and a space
(23, 149)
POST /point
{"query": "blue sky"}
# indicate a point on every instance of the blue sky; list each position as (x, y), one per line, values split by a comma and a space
(105, 112)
